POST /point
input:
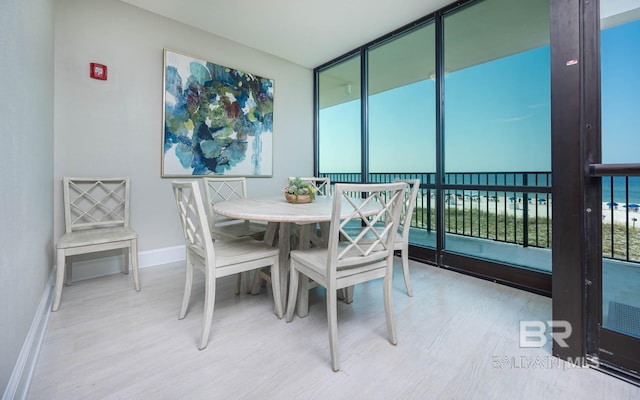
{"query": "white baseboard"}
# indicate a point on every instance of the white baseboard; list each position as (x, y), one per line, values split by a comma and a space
(165, 255)
(88, 266)
(20, 380)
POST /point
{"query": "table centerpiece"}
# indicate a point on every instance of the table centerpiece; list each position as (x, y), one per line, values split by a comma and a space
(299, 191)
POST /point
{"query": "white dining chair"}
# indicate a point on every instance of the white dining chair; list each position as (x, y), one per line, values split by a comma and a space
(402, 238)
(347, 261)
(96, 218)
(323, 185)
(219, 189)
(317, 236)
(217, 259)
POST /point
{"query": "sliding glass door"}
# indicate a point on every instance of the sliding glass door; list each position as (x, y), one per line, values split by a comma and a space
(618, 313)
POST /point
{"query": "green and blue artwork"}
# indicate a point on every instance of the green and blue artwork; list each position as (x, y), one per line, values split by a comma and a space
(217, 120)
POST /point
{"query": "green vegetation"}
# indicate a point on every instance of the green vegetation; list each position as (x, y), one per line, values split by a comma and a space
(619, 248)
(510, 229)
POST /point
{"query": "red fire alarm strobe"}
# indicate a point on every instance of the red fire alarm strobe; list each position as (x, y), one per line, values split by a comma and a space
(98, 71)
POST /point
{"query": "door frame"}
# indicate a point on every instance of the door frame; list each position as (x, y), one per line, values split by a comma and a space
(577, 171)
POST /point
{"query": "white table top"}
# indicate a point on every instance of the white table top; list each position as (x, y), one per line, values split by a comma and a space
(276, 209)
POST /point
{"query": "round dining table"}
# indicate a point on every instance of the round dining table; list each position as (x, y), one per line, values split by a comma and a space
(276, 209)
(281, 216)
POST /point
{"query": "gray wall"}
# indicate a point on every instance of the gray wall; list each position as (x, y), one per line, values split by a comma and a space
(26, 185)
(114, 127)
(105, 128)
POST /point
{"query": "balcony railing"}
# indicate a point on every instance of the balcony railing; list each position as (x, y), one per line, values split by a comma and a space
(621, 210)
(514, 207)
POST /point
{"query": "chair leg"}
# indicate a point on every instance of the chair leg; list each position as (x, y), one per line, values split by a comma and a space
(187, 289)
(209, 302)
(405, 271)
(126, 252)
(256, 285)
(332, 317)
(134, 261)
(248, 280)
(243, 277)
(69, 269)
(388, 305)
(302, 300)
(293, 292)
(275, 287)
(60, 268)
(348, 294)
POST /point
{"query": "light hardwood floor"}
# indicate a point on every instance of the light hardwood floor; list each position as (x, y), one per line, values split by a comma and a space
(457, 339)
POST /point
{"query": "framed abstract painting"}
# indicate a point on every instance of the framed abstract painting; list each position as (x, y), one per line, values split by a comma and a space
(216, 120)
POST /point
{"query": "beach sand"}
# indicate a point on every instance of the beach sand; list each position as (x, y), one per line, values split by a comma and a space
(540, 208)
(620, 214)
(499, 204)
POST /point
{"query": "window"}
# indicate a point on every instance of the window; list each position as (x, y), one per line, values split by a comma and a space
(339, 133)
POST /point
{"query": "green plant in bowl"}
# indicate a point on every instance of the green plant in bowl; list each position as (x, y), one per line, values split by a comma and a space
(299, 191)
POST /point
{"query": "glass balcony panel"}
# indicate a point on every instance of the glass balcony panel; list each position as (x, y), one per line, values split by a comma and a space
(402, 127)
(339, 124)
(497, 133)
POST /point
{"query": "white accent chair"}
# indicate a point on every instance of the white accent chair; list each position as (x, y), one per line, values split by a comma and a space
(96, 216)
(216, 259)
(347, 261)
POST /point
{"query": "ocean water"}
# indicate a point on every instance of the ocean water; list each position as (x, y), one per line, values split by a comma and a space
(618, 189)
(618, 186)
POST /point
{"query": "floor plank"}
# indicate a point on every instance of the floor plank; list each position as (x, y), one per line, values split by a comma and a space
(458, 338)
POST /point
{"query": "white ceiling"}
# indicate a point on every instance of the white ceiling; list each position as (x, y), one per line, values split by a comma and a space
(305, 32)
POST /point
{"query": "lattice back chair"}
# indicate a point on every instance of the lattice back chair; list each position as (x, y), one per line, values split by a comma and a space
(402, 238)
(348, 260)
(216, 259)
(96, 215)
(318, 236)
(322, 184)
(219, 189)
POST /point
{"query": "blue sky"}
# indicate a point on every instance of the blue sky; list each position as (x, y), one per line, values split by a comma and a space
(620, 82)
(497, 116)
